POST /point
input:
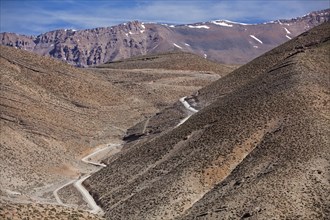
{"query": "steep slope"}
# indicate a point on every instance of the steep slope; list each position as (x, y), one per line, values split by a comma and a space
(219, 40)
(50, 114)
(259, 146)
(284, 173)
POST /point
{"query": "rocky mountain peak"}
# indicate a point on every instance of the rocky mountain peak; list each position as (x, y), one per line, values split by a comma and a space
(219, 40)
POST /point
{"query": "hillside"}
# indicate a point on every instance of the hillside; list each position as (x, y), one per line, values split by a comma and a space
(53, 115)
(43, 211)
(219, 40)
(163, 78)
(258, 146)
(170, 61)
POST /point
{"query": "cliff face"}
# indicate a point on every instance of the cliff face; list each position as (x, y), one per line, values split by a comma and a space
(86, 47)
(223, 41)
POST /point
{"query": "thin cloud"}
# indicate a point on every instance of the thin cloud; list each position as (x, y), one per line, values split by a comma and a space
(34, 17)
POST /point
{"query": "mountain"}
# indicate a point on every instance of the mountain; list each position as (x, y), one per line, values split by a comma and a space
(219, 40)
(52, 115)
(258, 147)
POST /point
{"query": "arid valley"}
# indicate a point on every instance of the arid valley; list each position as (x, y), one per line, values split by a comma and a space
(207, 120)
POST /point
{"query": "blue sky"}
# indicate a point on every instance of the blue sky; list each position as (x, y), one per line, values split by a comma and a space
(38, 16)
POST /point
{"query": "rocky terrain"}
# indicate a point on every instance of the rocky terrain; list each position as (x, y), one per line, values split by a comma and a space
(53, 115)
(258, 148)
(50, 114)
(201, 142)
(43, 211)
(219, 40)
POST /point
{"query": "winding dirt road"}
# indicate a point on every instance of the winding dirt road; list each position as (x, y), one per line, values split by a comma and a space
(86, 196)
(189, 108)
(77, 183)
(55, 193)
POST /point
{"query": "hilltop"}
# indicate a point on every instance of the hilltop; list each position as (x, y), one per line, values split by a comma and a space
(170, 61)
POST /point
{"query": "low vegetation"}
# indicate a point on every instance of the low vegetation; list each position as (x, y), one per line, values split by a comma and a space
(44, 212)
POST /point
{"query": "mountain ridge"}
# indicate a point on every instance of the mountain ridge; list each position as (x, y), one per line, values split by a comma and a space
(96, 46)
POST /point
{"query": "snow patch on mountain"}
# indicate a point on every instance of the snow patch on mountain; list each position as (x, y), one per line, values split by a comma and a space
(254, 37)
(221, 23)
(177, 46)
(288, 37)
(199, 26)
(287, 31)
(227, 23)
